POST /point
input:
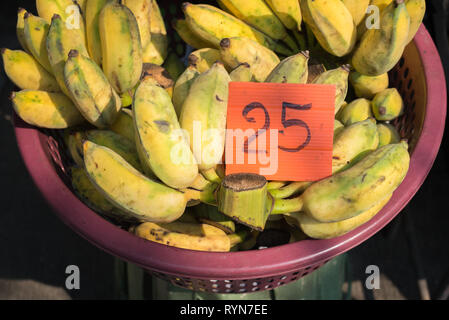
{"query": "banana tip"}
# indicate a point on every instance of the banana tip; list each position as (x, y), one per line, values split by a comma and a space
(73, 53)
(27, 15)
(20, 10)
(185, 5)
(12, 96)
(225, 43)
(3, 50)
(55, 16)
(306, 54)
(192, 60)
(346, 67)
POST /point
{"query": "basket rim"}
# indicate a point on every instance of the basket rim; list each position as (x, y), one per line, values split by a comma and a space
(256, 264)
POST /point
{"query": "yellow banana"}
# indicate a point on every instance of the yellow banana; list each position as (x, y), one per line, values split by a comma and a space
(380, 49)
(355, 190)
(332, 25)
(203, 59)
(213, 24)
(51, 110)
(381, 4)
(338, 128)
(388, 105)
(182, 88)
(174, 66)
(120, 46)
(387, 134)
(157, 50)
(20, 28)
(159, 136)
(92, 15)
(329, 230)
(288, 11)
(192, 39)
(262, 61)
(60, 41)
(338, 77)
(142, 11)
(416, 9)
(204, 113)
(82, 4)
(366, 86)
(91, 91)
(259, 15)
(26, 72)
(293, 69)
(192, 236)
(358, 110)
(36, 31)
(242, 73)
(357, 8)
(124, 124)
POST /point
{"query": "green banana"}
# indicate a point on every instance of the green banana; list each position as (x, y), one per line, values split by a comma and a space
(91, 91)
(338, 77)
(358, 110)
(380, 49)
(366, 86)
(293, 69)
(203, 59)
(192, 39)
(20, 28)
(60, 41)
(157, 50)
(206, 105)
(124, 124)
(353, 191)
(213, 24)
(92, 15)
(163, 147)
(387, 134)
(262, 61)
(182, 88)
(75, 145)
(388, 105)
(332, 25)
(242, 73)
(210, 215)
(258, 14)
(26, 73)
(121, 47)
(51, 110)
(417, 10)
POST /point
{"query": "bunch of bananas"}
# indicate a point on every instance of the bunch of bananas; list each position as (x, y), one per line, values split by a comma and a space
(104, 75)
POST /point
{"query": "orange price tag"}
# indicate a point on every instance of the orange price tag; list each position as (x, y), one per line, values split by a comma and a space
(281, 131)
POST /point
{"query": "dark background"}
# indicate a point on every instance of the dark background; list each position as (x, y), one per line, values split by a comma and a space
(36, 247)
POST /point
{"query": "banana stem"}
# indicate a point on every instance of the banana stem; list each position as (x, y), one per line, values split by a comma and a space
(292, 189)
(211, 175)
(206, 196)
(286, 206)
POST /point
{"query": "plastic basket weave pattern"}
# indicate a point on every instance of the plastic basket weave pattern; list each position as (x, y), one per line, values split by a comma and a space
(419, 77)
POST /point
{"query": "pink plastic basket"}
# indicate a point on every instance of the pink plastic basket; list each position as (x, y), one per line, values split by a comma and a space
(419, 77)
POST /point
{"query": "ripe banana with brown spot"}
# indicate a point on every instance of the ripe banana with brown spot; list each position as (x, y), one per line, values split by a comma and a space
(36, 31)
(332, 24)
(380, 49)
(121, 47)
(142, 12)
(262, 61)
(366, 86)
(293, 69)
(20, 28)
(388, 105)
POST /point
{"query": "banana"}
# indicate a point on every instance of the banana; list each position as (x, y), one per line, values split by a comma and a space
(381, 4)
(35, 31)
(182, 88)
(192, 39)
(258, 14)
(174, 66)
(366, 86)
(82, 4)
(203, 59)
(380, 49)
(75, 146)
(338, 77)
(242, 73)
(51, 110)
(26, 73)
(160, 138)
(357, 8)
(387, 134)
(156, 51)
(213, 24)
(120, 46)
(162, 75)
(417, 10)
(142, 11)
(288, 11)
(206, 107)
(124, 124)
(388, 105)
(210, 215)
(262, 61)
(329, 230)
(67, 10)
(358, 110)
(293, 69)
(192, 236)
(129, 190)
(332, 24)
(20, 28)
(353, 191)
(92, 15)
(60, 41)
(338, 128)
(91, 91)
